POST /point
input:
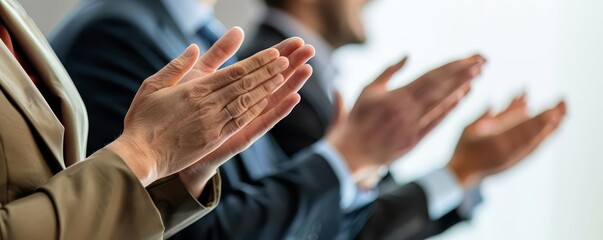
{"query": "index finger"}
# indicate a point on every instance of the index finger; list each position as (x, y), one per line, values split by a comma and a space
(289, 45)
(432, 96)
(230, 74)
(425, 82)
(297, 59)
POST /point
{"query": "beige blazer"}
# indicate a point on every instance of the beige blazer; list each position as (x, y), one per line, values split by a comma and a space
(47, 191)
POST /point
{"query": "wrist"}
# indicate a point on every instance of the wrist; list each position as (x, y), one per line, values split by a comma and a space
(369, 177)
(365, 174)
(465, 176)
(352, 159)
(140, 162)
(196, 180)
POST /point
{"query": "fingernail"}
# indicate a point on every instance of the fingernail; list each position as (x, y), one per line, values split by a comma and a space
(236, 28)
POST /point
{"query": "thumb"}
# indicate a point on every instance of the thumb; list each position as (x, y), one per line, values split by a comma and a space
(340, 114)
(383, 79)
(174, 71)
(489, 113)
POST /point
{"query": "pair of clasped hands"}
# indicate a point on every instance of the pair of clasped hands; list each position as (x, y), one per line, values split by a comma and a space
(189, 118)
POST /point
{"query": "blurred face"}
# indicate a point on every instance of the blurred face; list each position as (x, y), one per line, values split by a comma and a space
(343, 21)
(210, 2)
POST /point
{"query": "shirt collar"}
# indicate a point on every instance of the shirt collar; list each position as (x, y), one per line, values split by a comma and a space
(189, 15)
(290, 26)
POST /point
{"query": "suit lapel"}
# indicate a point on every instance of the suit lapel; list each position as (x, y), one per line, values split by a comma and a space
(312, 92)
(315, 95)
(56, 79)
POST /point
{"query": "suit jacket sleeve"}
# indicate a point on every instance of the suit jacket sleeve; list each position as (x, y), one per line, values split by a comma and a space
(300, 201)
(95, 199)
(300, 129)
(401, 213)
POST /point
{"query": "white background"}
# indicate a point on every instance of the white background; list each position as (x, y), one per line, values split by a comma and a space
(549, 48)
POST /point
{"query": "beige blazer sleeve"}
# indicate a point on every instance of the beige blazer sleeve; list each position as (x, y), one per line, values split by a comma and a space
(47, 189)
(101, 199)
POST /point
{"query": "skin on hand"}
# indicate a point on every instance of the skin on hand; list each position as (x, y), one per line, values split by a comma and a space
(384, 125)
(170, 126)
(494, 143)
(280, 104)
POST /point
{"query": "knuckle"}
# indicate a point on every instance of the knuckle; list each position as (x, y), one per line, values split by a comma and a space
(149, 83)
(271, 69)
(240, 122)
(254, 111)
(247, 83)
(220, 50)
(202, 109)
(205, 106)
(233, 109)
(266, 88)
(257, 61)
(225, 113)
(245, 101)
(236, 72)
(175, 65)
(199, 91)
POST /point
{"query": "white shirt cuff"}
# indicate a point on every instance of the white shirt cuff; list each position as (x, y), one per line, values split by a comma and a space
(473, 197)
(443, 192)
(352, 197)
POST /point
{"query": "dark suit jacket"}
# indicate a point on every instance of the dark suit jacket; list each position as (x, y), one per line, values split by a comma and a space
(401, 211)
(110, 46)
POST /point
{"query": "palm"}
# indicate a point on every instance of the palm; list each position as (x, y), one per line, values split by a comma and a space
(494, 143)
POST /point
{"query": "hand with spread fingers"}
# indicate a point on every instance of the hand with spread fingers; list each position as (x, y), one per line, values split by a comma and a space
(494, 143)
(384, 125)
(189, 109)
(279, 103)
